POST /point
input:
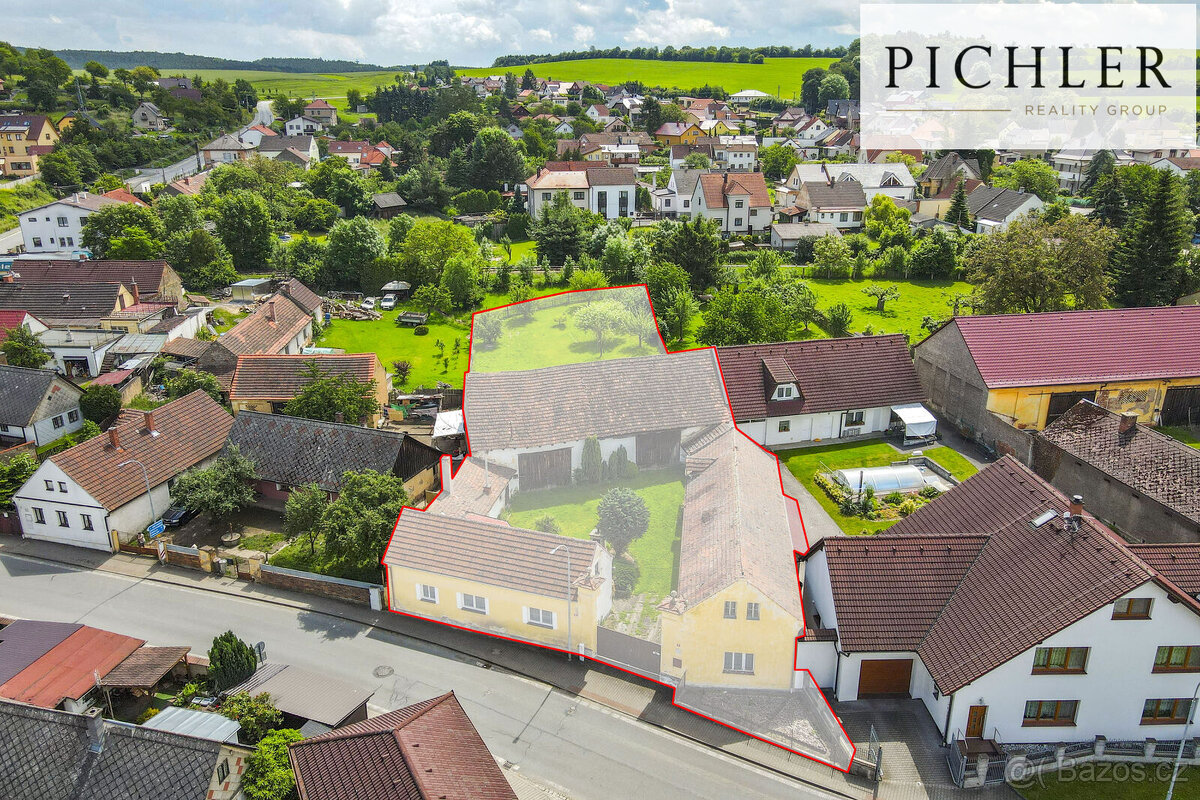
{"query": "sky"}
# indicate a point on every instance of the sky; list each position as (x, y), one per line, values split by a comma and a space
(391, 32)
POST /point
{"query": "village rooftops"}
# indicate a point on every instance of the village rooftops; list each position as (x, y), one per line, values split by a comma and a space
(1145, 460)
(276, 144)
(474, 489)
(607, 398)
(842, 194)
(995, 203)
(45, 663)
(24, 391)
(719, 186)
(1072, 347)
(62, 302)
(281, 377)
(426, 750)
(88, 201)
(268, 329)
(830, 374)
(304, 694)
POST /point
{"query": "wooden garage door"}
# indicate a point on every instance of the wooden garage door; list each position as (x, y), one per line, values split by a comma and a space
(1181, 406)
(657, 449)
(549, 468)
(883, 676)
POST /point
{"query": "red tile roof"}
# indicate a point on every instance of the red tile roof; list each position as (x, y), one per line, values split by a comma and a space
(280, 377)
(69, 669)
(318, 104)
(1178, 562)
(259, 333)
(717, 186)
(1058, 348)
(832, 375)
(189, 429)
(424, 751)
(125, 196)
(13, 318)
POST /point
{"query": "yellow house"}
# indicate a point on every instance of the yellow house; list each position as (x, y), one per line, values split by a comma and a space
(672, 133)
(735, 615)
(265, 382)
(491, 577)
(23, 139)
(999, 375)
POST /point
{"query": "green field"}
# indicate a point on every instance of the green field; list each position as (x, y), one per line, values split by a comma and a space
(918, 299)
(781, 76)
(15, 199)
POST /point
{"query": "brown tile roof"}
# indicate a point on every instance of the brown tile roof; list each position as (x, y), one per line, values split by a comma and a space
(1143, 459)
(473, 489)
(839, 194)
(609, 398)
(1109, 345)
(148, 275)
(144, 667)
(190, 430)
(191, 184)
(719, 185)
(280, 377)
(257, 333)
(306, 298)
(487, 551)
(186, 348)
(997, 566)
(735, 525)
(1178, 562)
(831, 374)
(427, 750)
(61, 301)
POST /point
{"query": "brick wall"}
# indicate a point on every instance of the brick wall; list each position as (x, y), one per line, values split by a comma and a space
(185, 557)
(321, 585)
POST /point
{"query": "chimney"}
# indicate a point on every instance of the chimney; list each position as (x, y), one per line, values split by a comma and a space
(1076, 506)
(271, 311)
(1128, 422)
(148, 416)
(134, 288)
(447, 466)
(95, 729)
(82, 257)
(339, 417)
(114, 438)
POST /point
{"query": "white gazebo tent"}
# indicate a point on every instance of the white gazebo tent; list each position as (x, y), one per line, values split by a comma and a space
(919, 424)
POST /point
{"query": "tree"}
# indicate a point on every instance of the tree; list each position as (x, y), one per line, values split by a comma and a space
(186, 381)
(97, 69)
(623, 517)
(316, 215)
(887, 223)
(13, 475)
(302, 514)
(1033, 266)
(113, 222)
(135, 245)
(676, 313)
(1148, 262)
(352, 244)
(586, 279)
(935, 256)
(837, 320)
(602, 320)
(833, 87)
(559, 230)
(354, 99)
(695, 246)
(810, 88)
(99, 403)
(357, 525)
(832, 258)
(23, 348)
(486, 330)
(959, 212)
(219, 490)
(429, 244)
(432, 299)
(332, 398)
(494, 160)
(461, 278)
(696, 161)
(333, 180)
(1103, 163)
(202, 262)
(245, 227)
(109, 182)
(230, 661)
(1029, 175)
(777, 161)
(256, 714)
(178, 213)
(882, 294)
(268, 774)
(750, 315)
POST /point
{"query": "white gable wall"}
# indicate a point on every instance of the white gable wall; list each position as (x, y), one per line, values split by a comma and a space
(74, 502)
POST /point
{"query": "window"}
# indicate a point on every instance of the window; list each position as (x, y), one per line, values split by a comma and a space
(577, 195)
(1051, 660)
(742, 663)
(785, 425)
(667, 203)
(63, 222)
(70, 241)
(39, 516)
(1166, 711)
(546, 197)
(223, 771)
(842, 217)
(37, 241)
(427, 593)
(86, 520)
(782, 392)
(1049, 713)
(63, 522)
(855, 418)
(540, 617)
(49, 486)
(58, 421)
(62, 486)
(739, 203)
(1179, 658)
(737, 222)
(751, 610)
(73, 415)
(730, 609)
(687, 203)
(473, 602)
(1132, 608)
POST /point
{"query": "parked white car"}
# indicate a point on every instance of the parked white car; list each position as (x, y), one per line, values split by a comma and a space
(368, 304)
(388, 303)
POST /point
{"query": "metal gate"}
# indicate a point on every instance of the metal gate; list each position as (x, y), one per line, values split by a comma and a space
(875, 754)
(639, 655)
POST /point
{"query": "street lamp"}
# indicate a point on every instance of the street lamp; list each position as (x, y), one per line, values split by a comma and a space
(1182, 739)
(570, 655)
(146, 476)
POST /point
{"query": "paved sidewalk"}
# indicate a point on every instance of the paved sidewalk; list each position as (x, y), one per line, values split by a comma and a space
(648, 701)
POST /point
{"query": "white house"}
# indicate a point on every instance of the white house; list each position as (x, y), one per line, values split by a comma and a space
(993, 208)
(1031, 623)
(254, 135)
(747, 96)
(58, 226)
(79, 354)
(738, 201)
(739, 156)
(818, 390)
(786, 235)
(94, 494)
(608, 191)
(37, 405)
(894, 180)
(147, 117)
(303, 126)
(676, 197)
(842, 203)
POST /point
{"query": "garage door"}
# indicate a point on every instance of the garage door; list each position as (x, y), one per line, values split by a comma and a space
(657, 449)
(1181, 406)
(884, 676)
(549, 468)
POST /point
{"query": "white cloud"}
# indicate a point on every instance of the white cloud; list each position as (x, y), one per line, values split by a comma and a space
(583, 34)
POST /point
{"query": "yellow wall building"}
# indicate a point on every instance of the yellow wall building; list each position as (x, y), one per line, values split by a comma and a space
(672, 133)
(23, 139)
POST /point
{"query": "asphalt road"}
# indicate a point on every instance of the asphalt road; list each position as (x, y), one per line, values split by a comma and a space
(10, 239)
(579, 749)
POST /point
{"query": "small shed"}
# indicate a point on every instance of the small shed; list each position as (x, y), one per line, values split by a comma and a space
(246, 291)
(306, 697)
(399, 288)
(200, 724)
(386, 205)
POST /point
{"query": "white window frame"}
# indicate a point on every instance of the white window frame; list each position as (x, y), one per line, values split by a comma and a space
(537, 617)
(753, 611)
(427, 593)
(730, 611)
(738, 663)
(462, 605)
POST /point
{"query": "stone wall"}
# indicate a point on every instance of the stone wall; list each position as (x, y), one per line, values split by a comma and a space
(321, 585)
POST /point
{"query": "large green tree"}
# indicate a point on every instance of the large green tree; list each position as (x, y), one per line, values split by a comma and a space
(13, 474)
(777, 161)
(357, 525)
(353, 244)
(623, 517)
(494, 160)
(201, 260)
(245, 227)
(302, 514)
(325, 396)
(429, 244)
(100, 403)
(748, 315)
(1029, 175)
(23, 348)
(219, 490)
(230, 661)
(268, 774)
(186, 381)
(1149, 264)
(116, 221)
(256, 714)
(959, 212)
(559, 230)
(695, 246)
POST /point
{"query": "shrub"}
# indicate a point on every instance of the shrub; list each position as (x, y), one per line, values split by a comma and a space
(145, 715)
(625, 576)
(421, 330)
(186, 694)
(908, 507)
(591, 462)
(930, 492)
(848, 506)
(257, 715)
(623, 518)
(100, 402)
(547, 524)
(836, 492)
(401, 369)
(230, 661)
(618, 466)
(894, 498)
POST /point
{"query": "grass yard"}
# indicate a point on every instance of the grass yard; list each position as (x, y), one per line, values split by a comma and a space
(297, 556)
(574, 508)
(1115, 782)
(804, 462)
(1181, 433)
(15, 199)
(549, 337)
(918, 299)
(223, 320)
(519, 251)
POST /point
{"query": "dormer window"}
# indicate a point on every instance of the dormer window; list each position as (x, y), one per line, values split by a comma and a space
(785, 392)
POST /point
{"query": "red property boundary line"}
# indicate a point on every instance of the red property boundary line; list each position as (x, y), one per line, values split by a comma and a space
(779, 472)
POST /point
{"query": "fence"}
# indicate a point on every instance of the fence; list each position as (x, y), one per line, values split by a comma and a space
(1041, 758)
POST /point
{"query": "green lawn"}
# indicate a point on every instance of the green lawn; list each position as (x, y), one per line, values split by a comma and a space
(519, 251)
(574, 508)
(1115, 782)
(296, 556)
(223, 320)
(549, 337)
(15, 199)
(1181, 433)
(807, 461)
(918, 299)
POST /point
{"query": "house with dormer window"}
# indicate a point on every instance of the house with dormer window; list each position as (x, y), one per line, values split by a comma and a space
(738, 201)
(894, 180)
